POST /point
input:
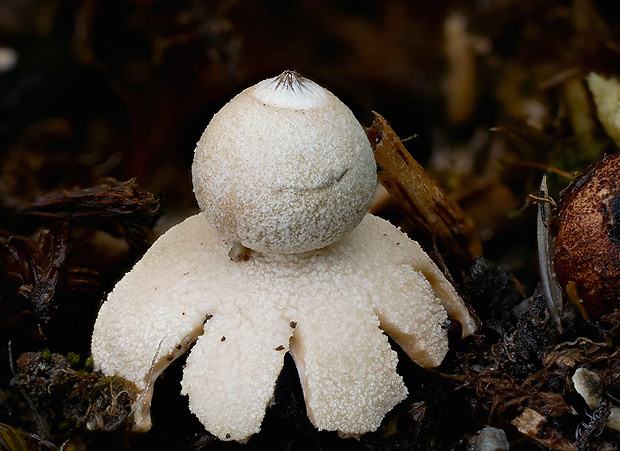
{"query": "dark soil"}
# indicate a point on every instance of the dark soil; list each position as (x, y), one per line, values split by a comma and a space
(99, 117)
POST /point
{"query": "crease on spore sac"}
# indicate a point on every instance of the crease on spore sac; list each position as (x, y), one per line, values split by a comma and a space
(327, 182)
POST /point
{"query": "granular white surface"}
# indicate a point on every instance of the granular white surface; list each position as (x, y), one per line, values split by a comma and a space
(329, 307)
(284, 167)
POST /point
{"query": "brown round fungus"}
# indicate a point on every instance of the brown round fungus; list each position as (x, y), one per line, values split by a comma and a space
(587, 260)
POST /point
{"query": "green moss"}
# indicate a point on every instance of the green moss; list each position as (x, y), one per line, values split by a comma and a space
(73, 358)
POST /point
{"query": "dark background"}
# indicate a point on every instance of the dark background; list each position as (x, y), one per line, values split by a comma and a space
(492, 90)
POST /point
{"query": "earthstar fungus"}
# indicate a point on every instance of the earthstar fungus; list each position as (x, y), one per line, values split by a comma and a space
(286, 170)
